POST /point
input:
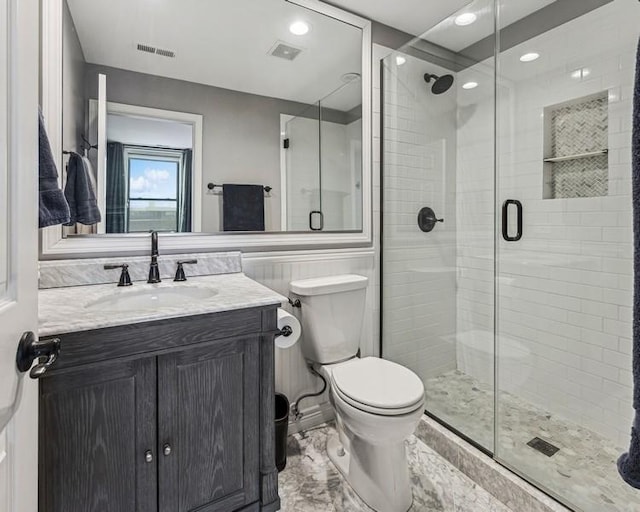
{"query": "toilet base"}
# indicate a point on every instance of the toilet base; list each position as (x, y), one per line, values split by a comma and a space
(378, 474)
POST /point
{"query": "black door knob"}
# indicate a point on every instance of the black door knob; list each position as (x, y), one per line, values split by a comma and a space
(30, 349)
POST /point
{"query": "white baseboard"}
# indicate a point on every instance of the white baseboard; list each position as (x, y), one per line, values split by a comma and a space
(312, 417)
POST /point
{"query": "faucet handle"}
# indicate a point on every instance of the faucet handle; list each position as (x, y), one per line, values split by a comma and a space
(125, 278)
(180, 276)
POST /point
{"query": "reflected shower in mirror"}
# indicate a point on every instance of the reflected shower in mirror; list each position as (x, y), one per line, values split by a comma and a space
(214, 117)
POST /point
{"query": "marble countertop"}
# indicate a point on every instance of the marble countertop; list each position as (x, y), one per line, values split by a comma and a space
(64, 310)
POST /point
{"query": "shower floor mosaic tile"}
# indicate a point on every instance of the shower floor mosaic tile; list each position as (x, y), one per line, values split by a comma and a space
(311, 483)
(583, 471)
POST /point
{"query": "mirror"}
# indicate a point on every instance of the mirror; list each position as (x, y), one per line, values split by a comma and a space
(215, 117)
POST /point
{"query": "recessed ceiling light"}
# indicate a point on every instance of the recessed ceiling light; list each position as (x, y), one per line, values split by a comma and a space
(465, 19)
(400, 60)
(581, 73)
(529, 57)
(470, 85)
(299, 28)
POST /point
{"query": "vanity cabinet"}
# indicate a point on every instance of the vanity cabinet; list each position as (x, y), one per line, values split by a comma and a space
(168, 416)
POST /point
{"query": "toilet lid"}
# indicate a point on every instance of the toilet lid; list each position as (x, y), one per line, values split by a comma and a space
(378, 383)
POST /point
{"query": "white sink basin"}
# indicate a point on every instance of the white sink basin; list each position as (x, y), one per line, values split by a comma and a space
(151, 298)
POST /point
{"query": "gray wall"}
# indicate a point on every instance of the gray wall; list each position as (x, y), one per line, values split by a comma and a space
(241, 132)
(73, 92)
(73, 101)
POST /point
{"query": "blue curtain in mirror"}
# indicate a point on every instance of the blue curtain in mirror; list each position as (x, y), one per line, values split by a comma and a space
(184, 198)
(116, 189)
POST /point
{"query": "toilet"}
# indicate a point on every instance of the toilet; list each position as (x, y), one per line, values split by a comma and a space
(377, 403)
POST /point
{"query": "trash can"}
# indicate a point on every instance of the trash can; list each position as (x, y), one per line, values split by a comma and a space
(282, 426)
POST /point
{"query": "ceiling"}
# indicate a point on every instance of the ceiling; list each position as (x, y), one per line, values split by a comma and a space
(611, 30)
(598, 45)
(411, 16)
(433, 20)
(223, 43)
(455, 38)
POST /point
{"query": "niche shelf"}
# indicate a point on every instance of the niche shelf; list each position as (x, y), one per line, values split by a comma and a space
(576, 140)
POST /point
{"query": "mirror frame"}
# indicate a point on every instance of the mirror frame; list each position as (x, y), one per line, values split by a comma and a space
(54, 246)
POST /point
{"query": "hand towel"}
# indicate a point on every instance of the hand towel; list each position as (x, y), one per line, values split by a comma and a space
(242, 207)
(80, 193)
(53, 208)
(629, 463)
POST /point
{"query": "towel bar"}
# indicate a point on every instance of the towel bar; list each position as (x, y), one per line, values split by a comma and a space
(211, 186)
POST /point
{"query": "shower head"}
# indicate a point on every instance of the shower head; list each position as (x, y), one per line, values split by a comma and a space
(441, 83)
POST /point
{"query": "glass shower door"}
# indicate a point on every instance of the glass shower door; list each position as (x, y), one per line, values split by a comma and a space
(301, 152)
(564, 252)
(341, 156)
(438, 277)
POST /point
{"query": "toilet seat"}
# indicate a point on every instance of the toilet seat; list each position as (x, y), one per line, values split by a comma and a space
(378, 386)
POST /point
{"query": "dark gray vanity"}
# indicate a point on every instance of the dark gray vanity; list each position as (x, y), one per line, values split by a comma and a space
(167, 415)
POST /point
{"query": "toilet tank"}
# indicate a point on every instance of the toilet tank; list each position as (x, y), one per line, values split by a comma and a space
(331, 314)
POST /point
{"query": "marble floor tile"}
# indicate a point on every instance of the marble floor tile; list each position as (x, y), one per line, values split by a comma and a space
(311, 483)
(583, 472)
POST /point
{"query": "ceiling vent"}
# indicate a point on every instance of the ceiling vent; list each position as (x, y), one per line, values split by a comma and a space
(146, 48)
(157, 51)
(284, 51)
(166, 53)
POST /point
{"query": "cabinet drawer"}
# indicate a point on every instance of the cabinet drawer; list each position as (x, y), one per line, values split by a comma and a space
(144, 338)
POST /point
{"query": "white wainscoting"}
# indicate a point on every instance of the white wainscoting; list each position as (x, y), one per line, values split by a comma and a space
(277, 270)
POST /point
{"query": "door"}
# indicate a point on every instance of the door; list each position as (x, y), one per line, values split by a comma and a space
(18, 249)
(98, 433)
(565, 254)
(301, 171)
(208, 427)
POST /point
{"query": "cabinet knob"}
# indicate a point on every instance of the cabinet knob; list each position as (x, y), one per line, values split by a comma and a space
(166, 449)
(148, 457)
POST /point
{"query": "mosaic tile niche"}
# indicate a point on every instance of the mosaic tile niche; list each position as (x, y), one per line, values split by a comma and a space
(576, 148)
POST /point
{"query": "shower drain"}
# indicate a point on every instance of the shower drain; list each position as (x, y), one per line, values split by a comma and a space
(543, 446)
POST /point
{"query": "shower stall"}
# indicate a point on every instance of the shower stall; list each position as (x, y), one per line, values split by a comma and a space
(507, 238)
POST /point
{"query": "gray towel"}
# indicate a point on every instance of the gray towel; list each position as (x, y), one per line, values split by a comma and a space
(80, 192)
(629, 463)
(53, 206)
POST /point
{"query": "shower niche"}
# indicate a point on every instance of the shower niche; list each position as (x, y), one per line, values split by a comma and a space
(576, 162)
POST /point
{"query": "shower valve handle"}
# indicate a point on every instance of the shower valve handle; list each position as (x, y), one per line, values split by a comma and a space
(427, 219)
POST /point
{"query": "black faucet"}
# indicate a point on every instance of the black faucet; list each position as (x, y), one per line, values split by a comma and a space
(154, 272)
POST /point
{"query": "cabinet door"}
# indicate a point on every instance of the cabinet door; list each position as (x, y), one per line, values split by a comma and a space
(208, 426)
(96, 423)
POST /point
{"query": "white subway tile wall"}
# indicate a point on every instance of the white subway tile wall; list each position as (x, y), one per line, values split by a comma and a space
(419, 159)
